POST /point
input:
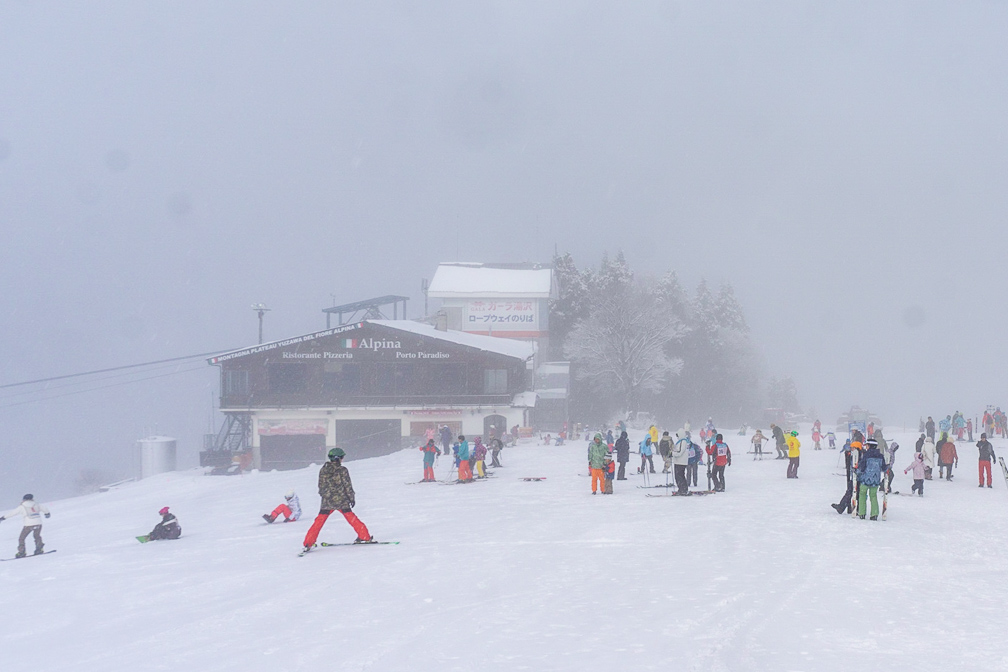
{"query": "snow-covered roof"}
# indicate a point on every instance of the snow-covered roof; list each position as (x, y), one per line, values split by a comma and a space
(524, 400)
(501, 346)
(473, 280)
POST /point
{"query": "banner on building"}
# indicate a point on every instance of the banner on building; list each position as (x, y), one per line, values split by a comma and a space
(293, 427)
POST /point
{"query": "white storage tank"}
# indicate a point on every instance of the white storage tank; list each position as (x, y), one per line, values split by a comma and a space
(157, 455)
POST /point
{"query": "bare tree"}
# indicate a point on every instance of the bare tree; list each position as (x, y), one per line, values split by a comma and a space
(621, 344)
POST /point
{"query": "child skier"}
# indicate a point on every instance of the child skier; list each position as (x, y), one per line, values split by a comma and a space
(816, 435)
(337, 495)
(291, 509)
(831, 437)
(757, 442)
(32, 513)
(430, 452)
(918, 474)
(479, 457)
(610, 473)
(168, 528)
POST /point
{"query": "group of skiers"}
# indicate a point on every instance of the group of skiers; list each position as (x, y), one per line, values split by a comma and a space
(467, 457)
(680, 456)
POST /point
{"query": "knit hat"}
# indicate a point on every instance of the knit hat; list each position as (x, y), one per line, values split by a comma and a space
(164, 510)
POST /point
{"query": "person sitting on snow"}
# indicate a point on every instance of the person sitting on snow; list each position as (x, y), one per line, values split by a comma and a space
(168, 528)
(291, 509)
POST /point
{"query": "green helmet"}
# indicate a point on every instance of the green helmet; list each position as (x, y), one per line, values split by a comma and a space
(337, 453)
(795, 433)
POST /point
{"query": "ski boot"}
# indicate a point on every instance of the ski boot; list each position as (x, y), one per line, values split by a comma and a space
(872, 518)
(370, 540)
(20, 554)
(39, 551)
(268, 518)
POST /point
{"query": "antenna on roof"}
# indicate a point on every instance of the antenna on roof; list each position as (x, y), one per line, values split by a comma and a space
(262, 310)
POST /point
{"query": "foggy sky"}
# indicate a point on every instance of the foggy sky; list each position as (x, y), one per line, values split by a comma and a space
(165, 165)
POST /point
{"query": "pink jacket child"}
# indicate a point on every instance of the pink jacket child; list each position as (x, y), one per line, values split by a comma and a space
(918, 473)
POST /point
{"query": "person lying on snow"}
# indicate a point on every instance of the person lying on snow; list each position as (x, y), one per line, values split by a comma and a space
(290, 509)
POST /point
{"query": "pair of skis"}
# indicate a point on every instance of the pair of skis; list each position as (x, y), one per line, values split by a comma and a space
(352, 543)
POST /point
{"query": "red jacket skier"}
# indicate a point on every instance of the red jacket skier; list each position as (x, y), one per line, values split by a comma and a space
(721, 453)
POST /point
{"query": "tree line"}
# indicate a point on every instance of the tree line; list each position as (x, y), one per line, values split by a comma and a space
(643, 343)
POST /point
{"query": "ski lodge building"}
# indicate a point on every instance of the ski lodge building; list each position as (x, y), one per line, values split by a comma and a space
(371, 387)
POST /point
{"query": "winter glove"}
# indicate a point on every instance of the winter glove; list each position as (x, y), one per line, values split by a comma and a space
(353, 503)
(47, 515)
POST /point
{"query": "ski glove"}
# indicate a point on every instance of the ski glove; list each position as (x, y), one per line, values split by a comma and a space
(47, 515)
(353, 503)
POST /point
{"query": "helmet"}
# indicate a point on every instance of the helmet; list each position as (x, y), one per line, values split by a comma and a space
(29, 496)
(794, 433)
(290, 495)
(164, 510)
(337, 453)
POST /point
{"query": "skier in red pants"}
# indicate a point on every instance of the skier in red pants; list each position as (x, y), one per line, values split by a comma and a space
(986, 457)
(337, 495)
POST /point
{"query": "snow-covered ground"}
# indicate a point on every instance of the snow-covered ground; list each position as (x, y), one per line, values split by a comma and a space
(513, 575)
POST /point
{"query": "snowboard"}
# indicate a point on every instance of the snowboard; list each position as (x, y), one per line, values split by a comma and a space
(1004, 469)
(32, 555)
(143, 539)
(458, 482)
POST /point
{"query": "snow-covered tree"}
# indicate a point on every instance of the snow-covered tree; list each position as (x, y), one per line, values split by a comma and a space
(621, 345)
(571, 302)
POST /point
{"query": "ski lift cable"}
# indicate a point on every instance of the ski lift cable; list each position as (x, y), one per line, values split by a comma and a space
(103, 387)
(103, 371)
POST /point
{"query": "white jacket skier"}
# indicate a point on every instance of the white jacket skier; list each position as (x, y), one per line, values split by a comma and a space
(32, 513)
(31, 510)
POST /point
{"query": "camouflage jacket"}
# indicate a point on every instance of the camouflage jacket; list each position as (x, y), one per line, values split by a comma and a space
(335, 487)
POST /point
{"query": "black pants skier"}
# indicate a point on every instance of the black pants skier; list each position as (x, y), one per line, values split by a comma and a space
(645, 461)
(717, 475)
(781, 450)
(25, 531)
(692, 470)
(621, 476)
(918, 486)
(680, 478)
(494, 462)
(792, 467)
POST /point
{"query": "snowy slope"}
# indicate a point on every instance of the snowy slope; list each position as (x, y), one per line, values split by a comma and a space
(510, 575)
